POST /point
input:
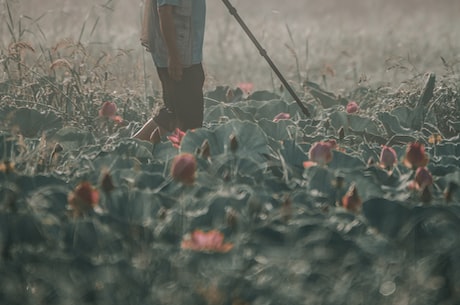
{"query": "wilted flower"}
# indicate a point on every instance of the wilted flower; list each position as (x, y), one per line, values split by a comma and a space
(388, 157)
(435, 139)
(351, 200)
(352, 107)
(423, 178)
(176, 137)
(415, 155)
(212, 241)
(321, 152)
(7, 167)
(281, 116)
(108, 110)
(183, 168)
(83, 198)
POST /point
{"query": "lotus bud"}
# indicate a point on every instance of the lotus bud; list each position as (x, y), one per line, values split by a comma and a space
(231, 218)
(230, 95)
(108, 110)
(286, 208)
(341, 133)
(233, 143)
(183, 168)
(388, 157)
(281, 116)
(351, 200)
(415, 156)
(84, 198)
(370, 162)
(205, 149)
(321, 153)
(107, 182)
(352, 107)
(423, 178)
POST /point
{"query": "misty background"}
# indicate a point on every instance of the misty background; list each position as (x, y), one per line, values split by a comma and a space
(373, 40)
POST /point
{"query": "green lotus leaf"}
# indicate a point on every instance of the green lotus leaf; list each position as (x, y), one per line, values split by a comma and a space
(251, 140)
(319, 180)
(387, 216)
(141, 150)
(339, 119)
(448, 149)
(31, 122)
(224, 112)
(25, 228)
(270, 108)
(354, 122)
(72, 138)
(342, 161)
(138, 207)
(279, 131)
(263, 95)
(219, 94)
(405, 115)
(294, 155)
(392, 124)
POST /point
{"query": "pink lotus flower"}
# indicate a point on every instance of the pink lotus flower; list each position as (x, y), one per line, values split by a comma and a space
(352, 107)
(321, 152)
(83, 198)
(176, 137)
(212, 241)
(423, 179)
(246, 87)
(281, 116)
(415, 156)
(108, 110)
(388, 157)
(183, 168)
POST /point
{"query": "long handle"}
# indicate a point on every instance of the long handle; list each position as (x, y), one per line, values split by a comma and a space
(264, 54)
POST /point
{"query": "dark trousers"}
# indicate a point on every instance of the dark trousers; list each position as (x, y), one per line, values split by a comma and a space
(183, 100)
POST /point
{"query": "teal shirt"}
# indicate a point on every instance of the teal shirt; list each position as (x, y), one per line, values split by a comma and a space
(189, 19)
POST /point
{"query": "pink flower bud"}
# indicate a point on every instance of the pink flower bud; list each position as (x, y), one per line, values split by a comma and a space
(183, 168)
(281, 116)
(423, 178)
(388, 157)
(108, 109)
(352, 107)
(321, 152)
(415, 155)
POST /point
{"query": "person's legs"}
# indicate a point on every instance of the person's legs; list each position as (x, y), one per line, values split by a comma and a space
(183, 103)
(188, 102)
(165, 119)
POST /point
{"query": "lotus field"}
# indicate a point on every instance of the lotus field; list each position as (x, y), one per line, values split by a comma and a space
(357, 204)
